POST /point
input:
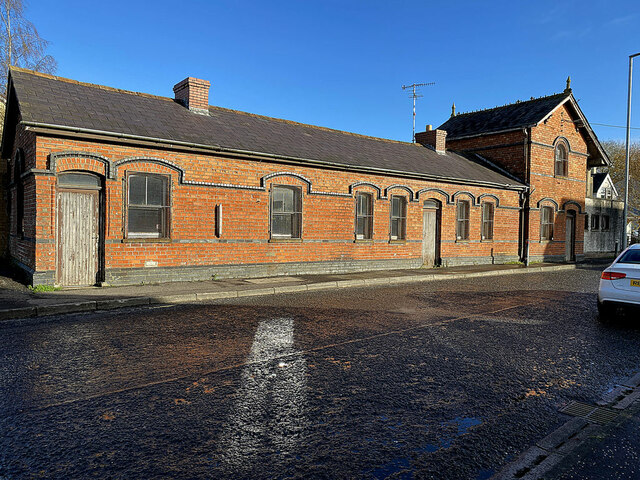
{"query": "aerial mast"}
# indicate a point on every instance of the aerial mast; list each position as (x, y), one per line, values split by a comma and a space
(415, 94)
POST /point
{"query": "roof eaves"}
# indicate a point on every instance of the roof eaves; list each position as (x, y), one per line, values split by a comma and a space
(218, 148)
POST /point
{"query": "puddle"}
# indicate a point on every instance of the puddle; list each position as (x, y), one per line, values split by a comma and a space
(464, 423)
(398, 467)
(485, 474)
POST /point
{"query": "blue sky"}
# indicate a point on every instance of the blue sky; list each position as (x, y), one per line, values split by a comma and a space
(341, 64)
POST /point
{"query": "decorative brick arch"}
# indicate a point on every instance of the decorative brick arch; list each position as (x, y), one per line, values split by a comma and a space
(574, 203)
(157, 161)
(560, 139)
(402, 187)
(263, 180)
(353, 186)
(549, 200)
(424, 191)
(489, 195)
(101, 165)
(455, 196)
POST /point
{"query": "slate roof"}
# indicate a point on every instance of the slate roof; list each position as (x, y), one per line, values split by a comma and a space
(53, 101)
(507, 117)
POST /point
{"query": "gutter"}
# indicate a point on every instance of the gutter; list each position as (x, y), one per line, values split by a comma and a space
(46, 128)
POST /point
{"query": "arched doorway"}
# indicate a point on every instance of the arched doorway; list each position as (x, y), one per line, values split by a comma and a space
(78, 243)
(431, 219)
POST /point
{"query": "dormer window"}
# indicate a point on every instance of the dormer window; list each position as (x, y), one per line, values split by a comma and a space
(561, 163)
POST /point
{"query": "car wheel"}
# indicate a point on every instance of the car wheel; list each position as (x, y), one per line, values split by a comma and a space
(606, 312)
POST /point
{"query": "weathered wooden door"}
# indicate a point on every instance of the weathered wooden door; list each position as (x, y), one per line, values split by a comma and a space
(78, 235)
(430, 234)
(570, 237)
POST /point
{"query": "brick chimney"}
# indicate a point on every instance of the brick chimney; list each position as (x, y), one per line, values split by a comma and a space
(433, 138)
(193, 93)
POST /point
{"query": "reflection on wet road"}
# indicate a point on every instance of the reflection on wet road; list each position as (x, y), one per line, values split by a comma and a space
(269, 407)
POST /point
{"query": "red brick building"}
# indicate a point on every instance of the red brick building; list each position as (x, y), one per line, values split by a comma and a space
(112, 187)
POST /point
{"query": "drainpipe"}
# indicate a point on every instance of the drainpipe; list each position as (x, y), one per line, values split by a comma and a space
(526, 196)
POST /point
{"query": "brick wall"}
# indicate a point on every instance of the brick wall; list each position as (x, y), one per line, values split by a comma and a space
(242, 188)
(544, 183)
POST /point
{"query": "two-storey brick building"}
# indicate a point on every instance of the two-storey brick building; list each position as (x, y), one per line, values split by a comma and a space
(116, 187)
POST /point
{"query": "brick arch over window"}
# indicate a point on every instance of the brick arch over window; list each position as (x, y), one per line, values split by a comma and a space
(423, 191)
(402, 187)
(106, 166)
(574, 203)
(455, 196)
(353, 186)
(548, 200)
(157, 161)
(263, 180)
(489, 196)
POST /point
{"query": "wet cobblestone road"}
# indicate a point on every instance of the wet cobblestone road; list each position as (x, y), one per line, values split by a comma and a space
(441, 380)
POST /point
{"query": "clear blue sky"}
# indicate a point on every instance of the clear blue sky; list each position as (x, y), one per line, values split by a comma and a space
(341, 64)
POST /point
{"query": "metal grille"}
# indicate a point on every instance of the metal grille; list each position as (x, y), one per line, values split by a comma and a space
(590, 412)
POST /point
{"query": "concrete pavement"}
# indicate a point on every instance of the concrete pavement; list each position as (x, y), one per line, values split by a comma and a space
(17, 301)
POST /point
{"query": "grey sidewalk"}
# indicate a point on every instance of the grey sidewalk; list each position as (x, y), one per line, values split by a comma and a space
(17, 301)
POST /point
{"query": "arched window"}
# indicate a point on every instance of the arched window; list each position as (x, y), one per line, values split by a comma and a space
(561, 163)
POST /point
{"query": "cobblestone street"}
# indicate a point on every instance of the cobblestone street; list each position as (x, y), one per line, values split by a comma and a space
(442, 380)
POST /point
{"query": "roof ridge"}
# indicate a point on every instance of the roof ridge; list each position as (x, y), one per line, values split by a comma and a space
(517, 102)
(91, 85)
(317, 127)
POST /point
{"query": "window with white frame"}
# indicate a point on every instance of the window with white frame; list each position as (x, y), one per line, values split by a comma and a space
(604, 226)
(398, 217)
(364, 216)
(462, 219)
(488, 210)
(286, 211)
(147, 205)
(595, 222)
(546, 223)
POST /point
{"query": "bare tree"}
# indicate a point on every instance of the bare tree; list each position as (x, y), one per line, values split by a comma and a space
(616, 151)
(20, 43)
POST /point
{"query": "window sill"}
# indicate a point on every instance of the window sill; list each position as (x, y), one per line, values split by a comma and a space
(285, 240)
(546, 241)
(364, 241)
(398, 242)
(146, 240)
(487, 240)
(464, 241)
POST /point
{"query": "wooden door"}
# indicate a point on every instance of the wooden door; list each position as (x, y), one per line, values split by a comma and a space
(570, 237)
(430, 240)
(78, 235)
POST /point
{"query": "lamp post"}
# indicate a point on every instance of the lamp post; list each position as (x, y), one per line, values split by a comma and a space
(626, 157)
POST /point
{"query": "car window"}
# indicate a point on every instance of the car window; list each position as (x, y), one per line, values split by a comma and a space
(630, 256)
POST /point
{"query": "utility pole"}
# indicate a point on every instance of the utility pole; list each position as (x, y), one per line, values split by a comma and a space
(626, 157)
(415, 94)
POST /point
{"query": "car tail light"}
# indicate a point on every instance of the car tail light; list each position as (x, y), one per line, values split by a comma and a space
(612, 275)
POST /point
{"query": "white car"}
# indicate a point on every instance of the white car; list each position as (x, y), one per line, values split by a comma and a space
(620, 283)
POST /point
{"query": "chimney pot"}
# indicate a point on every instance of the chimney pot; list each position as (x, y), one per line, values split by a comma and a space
(429, 128)
(193, 93)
